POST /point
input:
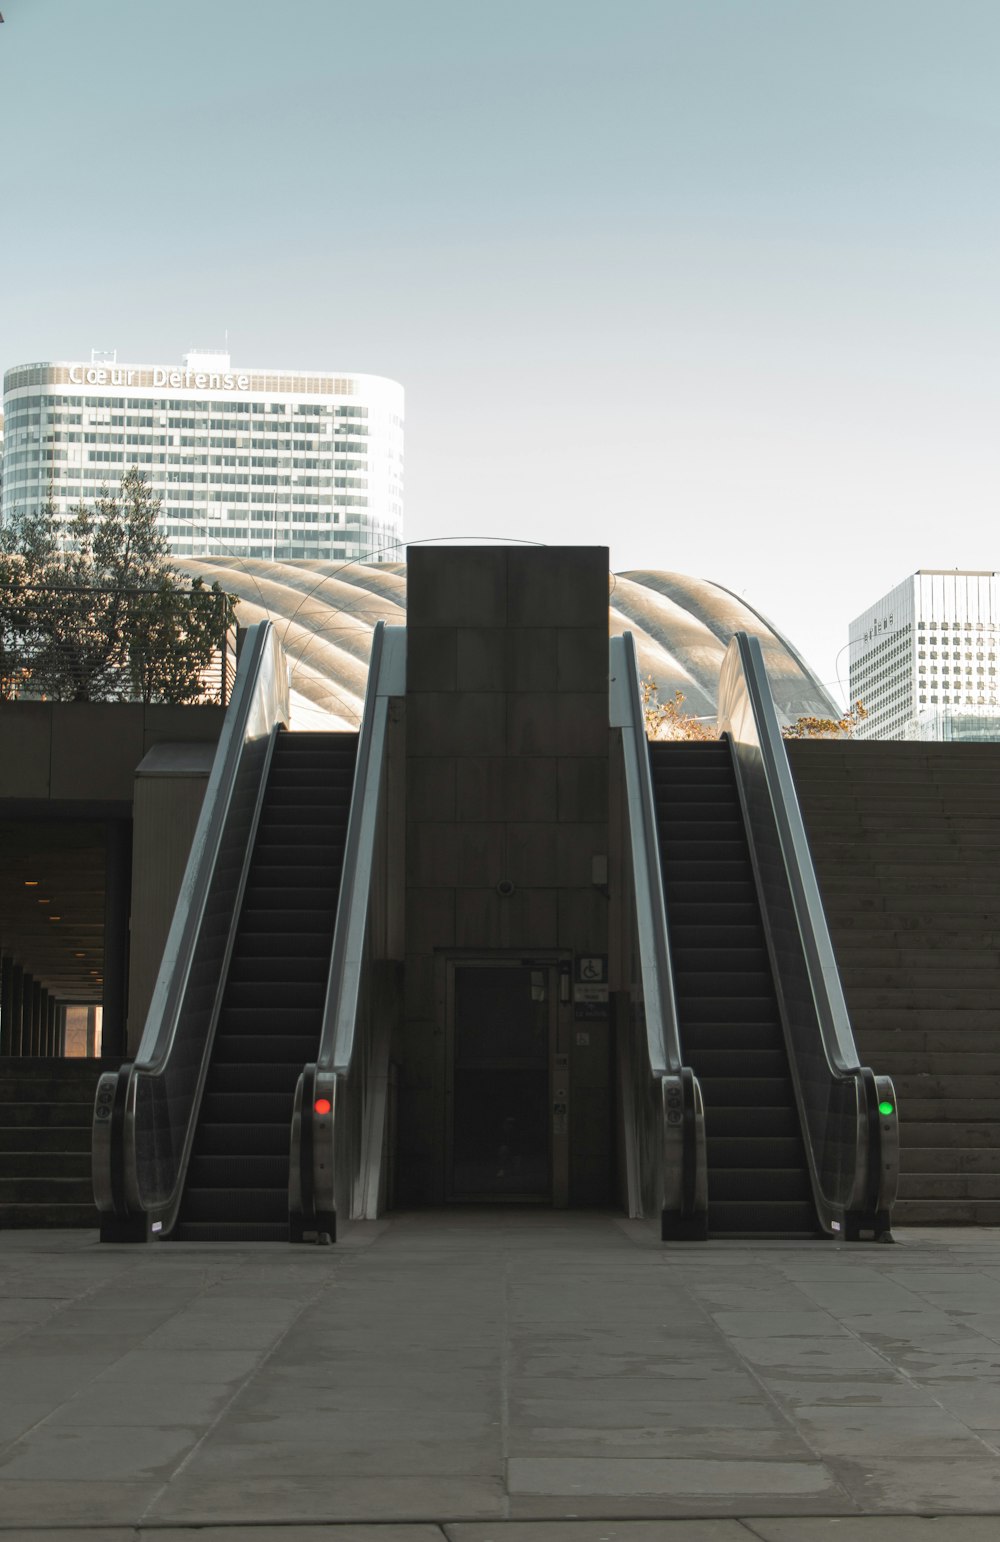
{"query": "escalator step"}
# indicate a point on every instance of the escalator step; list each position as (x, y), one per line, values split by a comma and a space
(719, 984)
(714, 895)
(261, 1138)
(261, 896)
(247, 1108)
(269, 1020)
(236, 1080)
(305, 969)
(781, 1218)
(753, 1064)
(311, 949)
(698, 913)
(272, 922)
(236, 1204)
(301, 879)
(222, 1171)
(245, 1049)
(735, 1123)
(727, 1009)
(754, 1152)
(737, 1091)
(721, 958)
(759, 1185)
(740, 1038)
(277, 993)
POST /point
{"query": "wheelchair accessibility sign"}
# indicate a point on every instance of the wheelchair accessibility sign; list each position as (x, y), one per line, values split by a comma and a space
(590, 988)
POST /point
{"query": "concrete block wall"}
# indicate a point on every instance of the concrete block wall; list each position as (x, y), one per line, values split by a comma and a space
(506, 780)
(906, 842)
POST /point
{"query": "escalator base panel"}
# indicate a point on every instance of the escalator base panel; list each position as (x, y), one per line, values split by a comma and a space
(230, 1231)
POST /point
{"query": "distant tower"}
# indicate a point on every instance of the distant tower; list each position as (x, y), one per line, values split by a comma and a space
(256, 462)
(924, 658)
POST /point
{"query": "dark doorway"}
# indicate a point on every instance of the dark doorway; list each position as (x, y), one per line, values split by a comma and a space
(501, 1022)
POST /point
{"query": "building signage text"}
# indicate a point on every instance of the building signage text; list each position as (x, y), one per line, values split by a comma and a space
(189, 379)
(879, 625)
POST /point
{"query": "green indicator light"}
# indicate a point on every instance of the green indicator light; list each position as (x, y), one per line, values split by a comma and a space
(886, 1108)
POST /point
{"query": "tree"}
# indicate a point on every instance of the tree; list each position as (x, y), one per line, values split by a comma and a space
(666, 720)
(90, 609)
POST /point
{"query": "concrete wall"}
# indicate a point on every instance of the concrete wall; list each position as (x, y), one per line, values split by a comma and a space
(506, 780)
(169, 789)
(88, 751)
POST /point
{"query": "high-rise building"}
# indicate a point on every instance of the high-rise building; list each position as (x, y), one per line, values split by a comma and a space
(260, 462)
(923, 659)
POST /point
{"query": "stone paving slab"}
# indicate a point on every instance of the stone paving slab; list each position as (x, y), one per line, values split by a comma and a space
(511, 1371)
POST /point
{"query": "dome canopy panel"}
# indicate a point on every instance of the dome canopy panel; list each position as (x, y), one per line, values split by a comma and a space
(326, 612)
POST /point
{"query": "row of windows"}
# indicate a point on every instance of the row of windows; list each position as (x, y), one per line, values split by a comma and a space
(29, 404)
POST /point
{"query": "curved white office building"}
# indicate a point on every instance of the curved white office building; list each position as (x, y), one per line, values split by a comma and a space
(279, 464)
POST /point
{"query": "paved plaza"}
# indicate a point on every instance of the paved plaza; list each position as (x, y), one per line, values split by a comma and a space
(501, 1376)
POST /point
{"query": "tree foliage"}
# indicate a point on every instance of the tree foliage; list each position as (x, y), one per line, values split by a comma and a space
(91, 610)
(667, 719)
(826, 727)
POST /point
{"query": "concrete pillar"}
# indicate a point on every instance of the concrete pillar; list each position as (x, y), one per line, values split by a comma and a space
(36, 1018)
(6, 1005)
(117, 907)
(507, 751)
(17, 1011)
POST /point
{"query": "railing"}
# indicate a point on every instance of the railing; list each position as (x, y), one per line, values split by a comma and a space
(145, 1114)
(664, 1124)
(339, 1119)
(848, 1115)
(87, 643)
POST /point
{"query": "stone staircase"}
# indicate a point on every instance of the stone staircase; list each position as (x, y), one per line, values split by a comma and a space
(46, 1108)
(906, 842)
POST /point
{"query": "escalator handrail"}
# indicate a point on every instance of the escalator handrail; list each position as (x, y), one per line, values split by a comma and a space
(386, 678)
(258, 703)
(744, 661)
(659, 998)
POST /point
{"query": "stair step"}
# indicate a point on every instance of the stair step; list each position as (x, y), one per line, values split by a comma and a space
(46, 1214)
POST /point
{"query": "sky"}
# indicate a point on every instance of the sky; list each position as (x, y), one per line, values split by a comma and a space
(711, 282)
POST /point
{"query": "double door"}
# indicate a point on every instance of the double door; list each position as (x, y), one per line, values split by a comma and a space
(508, 1082)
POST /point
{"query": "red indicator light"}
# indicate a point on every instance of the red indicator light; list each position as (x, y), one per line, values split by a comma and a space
(322, 1105)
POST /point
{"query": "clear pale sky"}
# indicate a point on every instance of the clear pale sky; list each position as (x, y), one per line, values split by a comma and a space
(713, 282)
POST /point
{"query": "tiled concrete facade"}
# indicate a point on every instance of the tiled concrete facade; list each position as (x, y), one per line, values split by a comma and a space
(507, 785)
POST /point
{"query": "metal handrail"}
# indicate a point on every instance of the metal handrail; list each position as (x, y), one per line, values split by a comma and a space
(662, 1028)
(141, 1154)
(843, 1146)
(665, 1150)
(320, 1129)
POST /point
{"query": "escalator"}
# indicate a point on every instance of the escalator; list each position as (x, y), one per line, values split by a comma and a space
(727, 1007)
(272, 1007)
